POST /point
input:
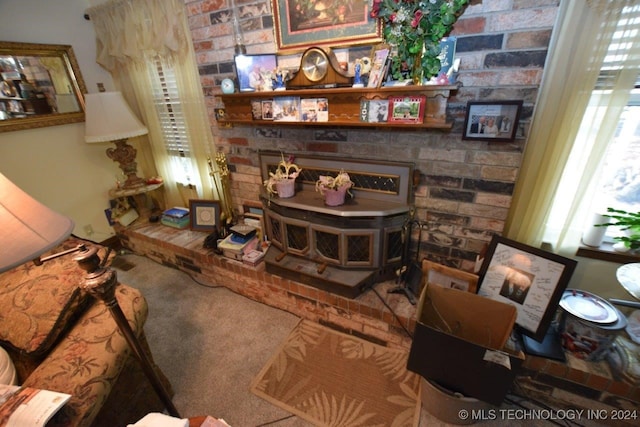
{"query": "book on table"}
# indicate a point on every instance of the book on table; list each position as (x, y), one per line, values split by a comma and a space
(27, 406)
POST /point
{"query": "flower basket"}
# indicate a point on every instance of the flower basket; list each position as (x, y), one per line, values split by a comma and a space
(286, 188)
(335, 197)
(335, 189)
(282, 182)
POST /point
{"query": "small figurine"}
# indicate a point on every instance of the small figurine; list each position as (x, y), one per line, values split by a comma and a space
(281, 76)
(357, 78)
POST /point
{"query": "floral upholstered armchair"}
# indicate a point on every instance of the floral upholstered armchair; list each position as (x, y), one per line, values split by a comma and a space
(59, 338)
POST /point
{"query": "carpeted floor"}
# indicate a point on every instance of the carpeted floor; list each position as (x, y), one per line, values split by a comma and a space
(211, 344)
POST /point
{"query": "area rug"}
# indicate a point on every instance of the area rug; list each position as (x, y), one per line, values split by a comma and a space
(333, 379)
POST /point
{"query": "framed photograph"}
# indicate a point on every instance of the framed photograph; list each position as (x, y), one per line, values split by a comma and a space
(407, 109)
(374, 110)
(302, 24)
(267, 109)
(492, 120)
(254, 70)
(448, 277)
(528, 278)
(204, 215)
(379, 56)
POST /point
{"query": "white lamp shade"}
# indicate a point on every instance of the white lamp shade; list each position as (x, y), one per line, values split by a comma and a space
(27, 227)
(109, 118)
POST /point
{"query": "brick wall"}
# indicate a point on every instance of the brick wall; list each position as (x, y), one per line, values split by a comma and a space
(466, 186)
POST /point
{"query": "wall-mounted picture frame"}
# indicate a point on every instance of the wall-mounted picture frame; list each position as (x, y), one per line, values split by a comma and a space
(253, 70)
(492, 120)
(204, 215)
(448, 277)
(529, 278)
(303, 24)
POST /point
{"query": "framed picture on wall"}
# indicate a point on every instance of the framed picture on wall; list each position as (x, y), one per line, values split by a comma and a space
(303, 24)
(492, 120)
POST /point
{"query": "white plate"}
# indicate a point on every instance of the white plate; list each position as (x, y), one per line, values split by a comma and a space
(587, 306)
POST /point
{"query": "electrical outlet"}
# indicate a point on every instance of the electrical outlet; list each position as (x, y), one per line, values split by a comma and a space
(88, 230)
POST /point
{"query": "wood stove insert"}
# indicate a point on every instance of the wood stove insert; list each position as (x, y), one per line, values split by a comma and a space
(342, 249)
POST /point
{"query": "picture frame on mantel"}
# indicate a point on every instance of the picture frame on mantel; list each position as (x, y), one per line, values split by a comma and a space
(346, 23)
(492, 120)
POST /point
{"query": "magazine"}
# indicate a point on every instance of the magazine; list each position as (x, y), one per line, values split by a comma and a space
(374, 110)
(26, 406)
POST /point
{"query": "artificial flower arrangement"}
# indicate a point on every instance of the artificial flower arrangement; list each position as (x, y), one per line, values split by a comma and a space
(286, 171)
(328, 184)
(415, 28)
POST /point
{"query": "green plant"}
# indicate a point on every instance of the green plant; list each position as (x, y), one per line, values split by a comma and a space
(414, 25)
(629, 222)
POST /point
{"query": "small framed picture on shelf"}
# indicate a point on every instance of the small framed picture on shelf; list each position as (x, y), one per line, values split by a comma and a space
(204, 214)
(267, 109)
(492, 120)
(254, 70)
(379, 57)
(407, 109)
(374, 110)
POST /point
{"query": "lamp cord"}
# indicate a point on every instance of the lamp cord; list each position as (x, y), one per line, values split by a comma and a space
(392, 312)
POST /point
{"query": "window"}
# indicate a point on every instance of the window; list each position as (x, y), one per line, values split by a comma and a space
(167, 103)
(619, 184)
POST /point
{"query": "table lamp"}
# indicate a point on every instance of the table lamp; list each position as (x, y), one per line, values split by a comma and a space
(28, 229)
(109, 118)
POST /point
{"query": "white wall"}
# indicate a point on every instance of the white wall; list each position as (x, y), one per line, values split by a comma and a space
(54, 164)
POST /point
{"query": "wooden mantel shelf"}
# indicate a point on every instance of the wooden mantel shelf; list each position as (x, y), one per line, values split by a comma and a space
(344, 105)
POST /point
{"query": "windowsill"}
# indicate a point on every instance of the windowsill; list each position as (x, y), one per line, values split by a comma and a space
(605, 252)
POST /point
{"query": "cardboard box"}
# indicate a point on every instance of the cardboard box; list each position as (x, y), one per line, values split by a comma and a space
(459, 343)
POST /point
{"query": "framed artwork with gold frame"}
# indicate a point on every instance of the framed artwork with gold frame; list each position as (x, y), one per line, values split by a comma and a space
(340, 23)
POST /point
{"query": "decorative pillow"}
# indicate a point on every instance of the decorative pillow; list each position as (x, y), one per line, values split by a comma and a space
(8, 374)
(39, 301)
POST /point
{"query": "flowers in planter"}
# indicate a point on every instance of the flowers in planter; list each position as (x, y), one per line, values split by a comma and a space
(415, 28)
(286, 173)
(334, 189)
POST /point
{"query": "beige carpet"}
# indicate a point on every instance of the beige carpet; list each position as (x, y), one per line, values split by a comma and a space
(334, 379)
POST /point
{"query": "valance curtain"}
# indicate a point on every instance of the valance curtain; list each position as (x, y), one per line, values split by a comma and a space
(134, 37)
(565, 146)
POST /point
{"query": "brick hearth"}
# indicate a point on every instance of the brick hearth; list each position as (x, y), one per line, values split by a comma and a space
(376, 315)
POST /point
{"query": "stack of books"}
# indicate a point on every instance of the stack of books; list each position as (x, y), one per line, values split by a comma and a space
(176, 217)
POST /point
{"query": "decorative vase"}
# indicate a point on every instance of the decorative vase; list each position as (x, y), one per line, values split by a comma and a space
(335, 197)
(286, 188)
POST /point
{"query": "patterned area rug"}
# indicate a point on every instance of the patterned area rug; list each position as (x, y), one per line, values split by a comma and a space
(334, 379)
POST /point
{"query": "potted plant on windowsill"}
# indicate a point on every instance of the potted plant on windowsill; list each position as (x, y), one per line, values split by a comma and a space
(630, 225)
(335, 189)
(282, 181)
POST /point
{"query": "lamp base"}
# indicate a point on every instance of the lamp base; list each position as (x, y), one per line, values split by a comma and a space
(125, 155)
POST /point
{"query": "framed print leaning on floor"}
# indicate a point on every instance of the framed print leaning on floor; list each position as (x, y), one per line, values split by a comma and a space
(205, 215)
(300, 24)
(492, 120)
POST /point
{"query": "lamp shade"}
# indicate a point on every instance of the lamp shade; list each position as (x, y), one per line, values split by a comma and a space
(108, 117)
(27, 227)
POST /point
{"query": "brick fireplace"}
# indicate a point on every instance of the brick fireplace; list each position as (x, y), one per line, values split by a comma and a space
(341, 249)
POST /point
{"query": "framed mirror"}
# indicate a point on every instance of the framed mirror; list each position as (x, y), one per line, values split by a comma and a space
(40, 85)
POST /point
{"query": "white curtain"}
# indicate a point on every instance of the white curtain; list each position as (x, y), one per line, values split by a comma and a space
(572, 126)
(131, 36)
